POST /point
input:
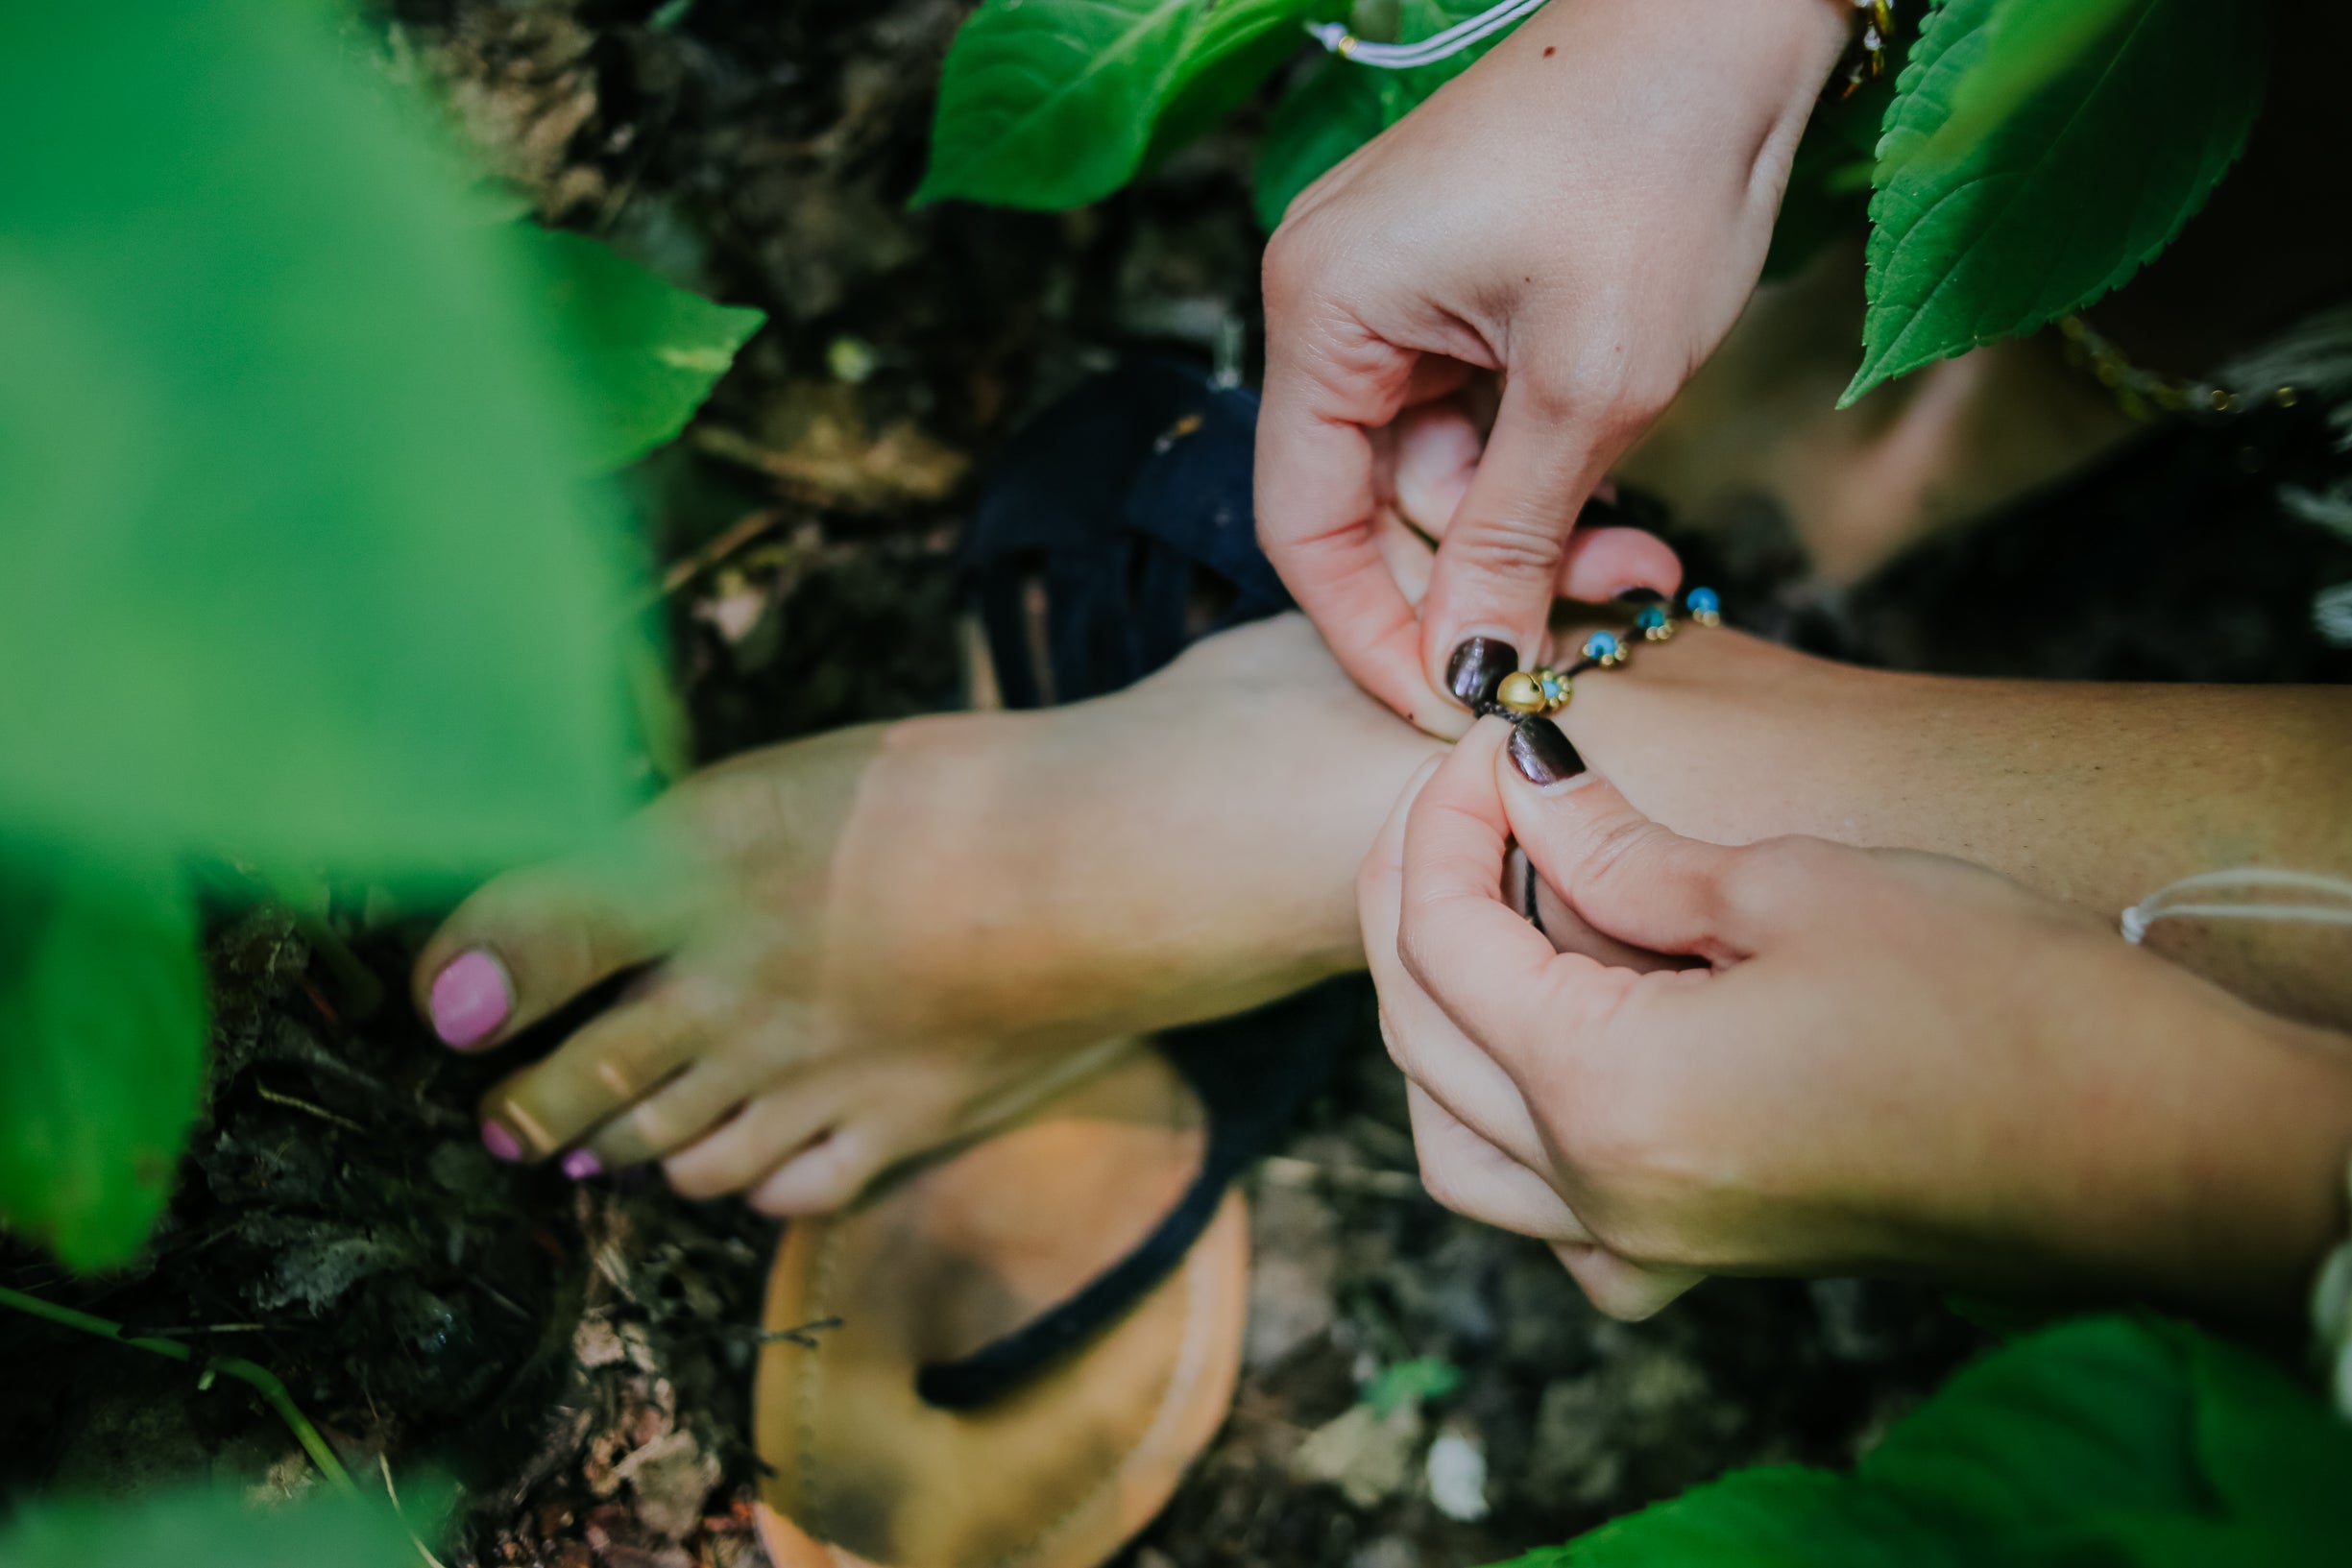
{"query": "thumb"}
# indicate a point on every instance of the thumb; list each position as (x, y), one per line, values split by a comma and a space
(1490, 592)
(1621, 873)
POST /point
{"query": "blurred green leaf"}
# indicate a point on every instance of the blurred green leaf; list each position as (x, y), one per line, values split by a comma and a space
(1413, 1382)
(1327, 116)
(2120, 1441)
(643, 354)
(1401, 91)
(205, 1528)
(2069, 193)
(102, 1046)
(294, 563)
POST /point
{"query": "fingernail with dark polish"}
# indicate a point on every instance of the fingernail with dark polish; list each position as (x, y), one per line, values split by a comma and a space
(1542, 754)
(1476, 669)
(1641, 594)
(581, 1164)
(501, 1144)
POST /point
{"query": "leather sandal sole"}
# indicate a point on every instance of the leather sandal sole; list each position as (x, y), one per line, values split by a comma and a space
(1069, 1466)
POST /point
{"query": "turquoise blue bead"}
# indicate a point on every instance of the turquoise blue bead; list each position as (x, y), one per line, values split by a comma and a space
(1701, 601)
(1601, 645)
(1651, 619)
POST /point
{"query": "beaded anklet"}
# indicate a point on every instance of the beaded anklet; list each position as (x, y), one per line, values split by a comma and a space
(1545, 690)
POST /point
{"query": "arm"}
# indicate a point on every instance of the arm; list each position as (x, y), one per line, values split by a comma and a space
(1224, 805)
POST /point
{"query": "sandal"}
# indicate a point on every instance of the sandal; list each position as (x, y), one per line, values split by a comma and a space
(1009, 1353)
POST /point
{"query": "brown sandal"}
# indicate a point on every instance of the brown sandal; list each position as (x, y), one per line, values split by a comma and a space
(1061, 1466)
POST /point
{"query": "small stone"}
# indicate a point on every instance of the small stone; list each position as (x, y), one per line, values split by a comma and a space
(1457, 1473)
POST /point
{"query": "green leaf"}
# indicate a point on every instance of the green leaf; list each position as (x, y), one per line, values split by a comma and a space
(1233, 47)
(2110, 1440)
(2063, 199)
(1050, 103)
(205, 1528)
(1401, 92)
(101, 1043)
(295, 563)
(1413, 1382)
(1057, 103)
(644, 354)
(1330, 114)
(2027, 47)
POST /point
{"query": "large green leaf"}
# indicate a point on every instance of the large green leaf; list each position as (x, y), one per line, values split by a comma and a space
(1327, 116)
(2109, 1441)
(2068, 192)
(205, 1528)
(294, 562)
(101, 1043)
(641, 353)
(1051, 103)
(1057, 103)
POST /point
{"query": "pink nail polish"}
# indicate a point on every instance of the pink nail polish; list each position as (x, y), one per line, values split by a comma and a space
(501, 1144)
(471, 997)
(581, 1164)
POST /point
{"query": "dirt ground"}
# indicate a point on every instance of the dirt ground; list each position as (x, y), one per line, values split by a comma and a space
(1419, 1389)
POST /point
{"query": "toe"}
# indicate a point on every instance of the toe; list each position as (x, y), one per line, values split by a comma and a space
(824, 1176)
(678, 1114)
(759, 1138)
(610, 1065)
(521, 948)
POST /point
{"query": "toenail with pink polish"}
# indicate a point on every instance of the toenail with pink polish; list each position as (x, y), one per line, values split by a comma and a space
(581, 1164)
(471, 997)
(501, 1143)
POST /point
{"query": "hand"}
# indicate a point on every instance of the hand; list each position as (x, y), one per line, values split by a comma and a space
(1893, 1063)
(1584, 211)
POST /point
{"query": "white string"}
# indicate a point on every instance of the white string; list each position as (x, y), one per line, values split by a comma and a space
(2175, 900)
(1428, 51)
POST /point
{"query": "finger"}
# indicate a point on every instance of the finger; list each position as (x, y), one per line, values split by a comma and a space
(1328, 384)
(607, 1066)
(1474, 1178)
(1502, 551)
(1421, 1040)
(1437, 456)
(1601, 564)
(1629, 1292)
(1627, 876)
(521, 948)
(1493, 974)
(1568, 931)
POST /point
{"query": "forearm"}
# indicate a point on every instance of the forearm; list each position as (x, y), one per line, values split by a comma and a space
(2097, 794)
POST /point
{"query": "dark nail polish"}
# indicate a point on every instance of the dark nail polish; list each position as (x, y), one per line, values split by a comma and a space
(1476, 669)
(1640, 595)
(1542, 754)
(1599, 513)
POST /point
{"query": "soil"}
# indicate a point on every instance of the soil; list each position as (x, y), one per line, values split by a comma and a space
(1419, 1389)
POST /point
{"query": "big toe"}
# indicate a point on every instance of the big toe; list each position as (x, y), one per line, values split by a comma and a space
(519, 949)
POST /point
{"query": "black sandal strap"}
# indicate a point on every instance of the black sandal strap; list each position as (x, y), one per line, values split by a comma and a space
(1253, 1074)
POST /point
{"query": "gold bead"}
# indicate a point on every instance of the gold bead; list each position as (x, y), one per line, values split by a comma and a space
(2283, 397)
(1520, 694)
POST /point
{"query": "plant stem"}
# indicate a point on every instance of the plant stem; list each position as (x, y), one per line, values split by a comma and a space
(261, 1379)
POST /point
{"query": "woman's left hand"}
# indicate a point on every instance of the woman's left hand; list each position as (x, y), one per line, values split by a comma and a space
(1890, 1062)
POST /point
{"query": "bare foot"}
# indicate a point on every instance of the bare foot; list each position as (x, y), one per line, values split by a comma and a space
(872, 943)
(866, 944)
